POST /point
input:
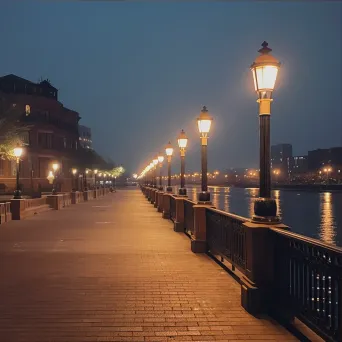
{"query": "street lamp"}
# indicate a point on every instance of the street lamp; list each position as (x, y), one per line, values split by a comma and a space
(74, 171)
(327, 170)
(95, 177)
(55, 167)
(160, 160)
(169, 153)
(265, 69)
(204, 125)
(17, 151)
(85, 180)
(182, 144)
(155, 163)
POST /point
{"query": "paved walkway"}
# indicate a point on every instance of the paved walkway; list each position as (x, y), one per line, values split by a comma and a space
(114, 270)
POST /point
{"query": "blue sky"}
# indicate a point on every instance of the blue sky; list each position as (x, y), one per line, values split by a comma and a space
(140, 72)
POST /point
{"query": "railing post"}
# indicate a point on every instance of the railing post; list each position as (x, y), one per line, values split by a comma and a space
(199, 239)
(257, 283)
(160, 201)
(2, 213)
(156, 198)
(166, 205)
(179, 219)
(17, 207)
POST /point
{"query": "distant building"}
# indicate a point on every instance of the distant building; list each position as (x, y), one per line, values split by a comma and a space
(85, 136)
(299, 165)
(318, 159)
(281, 156)
(52, 136)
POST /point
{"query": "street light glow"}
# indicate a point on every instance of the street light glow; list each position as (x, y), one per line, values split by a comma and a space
(182, 140)
(204, 122)
(169, 150)
(265, 70)
(18, 151)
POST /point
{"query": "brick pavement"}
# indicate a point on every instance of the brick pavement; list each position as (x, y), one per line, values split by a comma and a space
(113, 270)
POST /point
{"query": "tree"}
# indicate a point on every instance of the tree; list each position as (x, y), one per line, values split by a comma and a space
(12, 130)
(117, 171)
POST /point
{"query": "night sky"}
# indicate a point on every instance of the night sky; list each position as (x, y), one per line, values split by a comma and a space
(138, 73)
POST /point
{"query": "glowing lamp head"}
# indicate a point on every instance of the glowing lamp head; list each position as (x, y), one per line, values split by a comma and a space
(169, 149)
(18, 151)
(265, 70)
(55, 166)
(96, 171)
(160, 158)
(87, 171)
(135, 176)
(182, 140)
(204, 122)
(100, 174)
(155, 161)
(74, 171)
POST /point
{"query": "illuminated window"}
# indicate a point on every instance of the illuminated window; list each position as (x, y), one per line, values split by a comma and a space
(27, 110)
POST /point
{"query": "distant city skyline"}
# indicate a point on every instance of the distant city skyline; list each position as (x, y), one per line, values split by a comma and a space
(138, 73)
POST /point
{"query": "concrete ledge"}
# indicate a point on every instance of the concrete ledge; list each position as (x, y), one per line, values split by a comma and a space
(166, 215)
(178, 227)
(198, 246)
(250, 297)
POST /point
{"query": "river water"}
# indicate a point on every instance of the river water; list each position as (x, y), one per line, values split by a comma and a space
(314, 214)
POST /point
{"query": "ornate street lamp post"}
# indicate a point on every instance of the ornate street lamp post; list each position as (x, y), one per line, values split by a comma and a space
(265, 69)
(85, 180)
(182, 144)
(55, 167)
(74, 172)
(95, 176)
(155, 163)
(160, 160)
(151, 166)
(18, 151)
(204, 125)
(169, 152)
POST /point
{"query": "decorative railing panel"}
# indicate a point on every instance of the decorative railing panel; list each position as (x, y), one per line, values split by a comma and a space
(226, 237)
(172, 208)
(189, 217)
(308, 282)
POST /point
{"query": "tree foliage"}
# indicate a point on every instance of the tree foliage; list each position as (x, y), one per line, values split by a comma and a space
(11, 131)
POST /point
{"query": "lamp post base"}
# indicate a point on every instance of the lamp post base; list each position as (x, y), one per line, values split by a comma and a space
(169, 189)
(265, 211)
(204, 196)
(160, 188)
(182, 192)
(54, 191)
(17, 194)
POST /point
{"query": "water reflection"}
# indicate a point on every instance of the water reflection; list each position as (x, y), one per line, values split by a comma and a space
(308, 213)
(226, 199)
(327, 227)
(277, 200)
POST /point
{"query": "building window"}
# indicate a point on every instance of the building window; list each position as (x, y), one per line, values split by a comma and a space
(27, 110)
(45, 140)
(25, 138)
(13, 167)
(1, 167)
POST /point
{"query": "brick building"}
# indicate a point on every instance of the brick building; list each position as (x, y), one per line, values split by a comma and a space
(52, 136)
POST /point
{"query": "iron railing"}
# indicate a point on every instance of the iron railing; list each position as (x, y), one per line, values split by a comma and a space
(172, 208)
(308, 282)
(226, 237)
(189, 217)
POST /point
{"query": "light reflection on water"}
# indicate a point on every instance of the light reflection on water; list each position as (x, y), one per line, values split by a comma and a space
(328, 226)
(313, 214)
